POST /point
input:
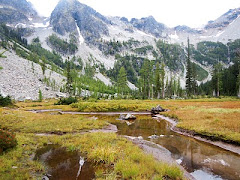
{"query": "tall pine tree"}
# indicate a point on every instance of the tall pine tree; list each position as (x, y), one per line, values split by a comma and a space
(189, 78)
(217, 79)
(157, 82)
(162, 78)
(69, 78)
(145, 79)
(122, 80)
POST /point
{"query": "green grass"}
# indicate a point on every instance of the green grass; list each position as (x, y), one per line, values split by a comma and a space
(1, 67)
(16, 163)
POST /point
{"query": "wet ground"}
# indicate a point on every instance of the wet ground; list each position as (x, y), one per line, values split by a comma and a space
(202, 160)
(64, 165)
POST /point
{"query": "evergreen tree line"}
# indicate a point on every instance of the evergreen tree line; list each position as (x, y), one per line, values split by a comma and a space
(224, 82)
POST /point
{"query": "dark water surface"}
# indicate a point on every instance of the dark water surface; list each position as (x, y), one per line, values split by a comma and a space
(65, 165)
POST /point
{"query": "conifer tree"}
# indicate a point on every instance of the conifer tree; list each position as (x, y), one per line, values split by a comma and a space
(217, 79)
(122, 80)
(179, 87)
(145, 73)
(194, 79)
(162, 72)
(69, 78)
(238, 77)
(157, 81)
(40, 96)
(43, 65)
(189, 79)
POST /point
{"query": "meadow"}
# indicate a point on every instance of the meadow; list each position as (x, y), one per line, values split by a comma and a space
(122, 159)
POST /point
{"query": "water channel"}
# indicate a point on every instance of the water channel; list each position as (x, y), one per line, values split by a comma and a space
(203, 160)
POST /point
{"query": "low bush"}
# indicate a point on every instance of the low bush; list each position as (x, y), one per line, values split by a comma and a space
(66, 101)
(5, 101)
(7, 140)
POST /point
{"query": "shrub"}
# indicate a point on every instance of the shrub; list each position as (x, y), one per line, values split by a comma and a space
(7, 140)
(66, 101)
(5, 101)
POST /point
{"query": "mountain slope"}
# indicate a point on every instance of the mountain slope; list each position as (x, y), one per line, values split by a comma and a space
(16, 11)
(69, 15)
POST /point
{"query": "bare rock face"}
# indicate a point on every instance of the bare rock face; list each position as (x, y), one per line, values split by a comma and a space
(69, 14)
(149, 25)
(16, 11)
(224, 20)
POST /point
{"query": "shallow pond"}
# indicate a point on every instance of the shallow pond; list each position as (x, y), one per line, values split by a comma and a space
(64, 165)
(202, 160)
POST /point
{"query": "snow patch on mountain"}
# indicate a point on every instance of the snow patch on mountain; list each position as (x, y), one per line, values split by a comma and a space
(174, 36)
(80, 37)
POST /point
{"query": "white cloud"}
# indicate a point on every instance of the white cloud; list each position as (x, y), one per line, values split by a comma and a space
(193, 13)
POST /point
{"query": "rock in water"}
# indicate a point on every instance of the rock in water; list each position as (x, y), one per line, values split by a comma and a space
(157, 110)
(127, 117)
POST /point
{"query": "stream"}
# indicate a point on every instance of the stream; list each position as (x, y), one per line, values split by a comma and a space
(202, 160)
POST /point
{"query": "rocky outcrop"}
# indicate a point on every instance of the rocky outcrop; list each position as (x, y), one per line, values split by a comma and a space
(69, 13)
(16, 11)
(149, 25)
(224, 20)
(11, 16)
(157, 110)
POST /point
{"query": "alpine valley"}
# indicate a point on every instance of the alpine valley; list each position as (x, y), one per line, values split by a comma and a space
(77, 45)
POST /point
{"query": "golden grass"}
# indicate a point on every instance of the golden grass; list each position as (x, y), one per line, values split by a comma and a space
(129, 161)
(29, 122)
(218, 119)
(45, 104)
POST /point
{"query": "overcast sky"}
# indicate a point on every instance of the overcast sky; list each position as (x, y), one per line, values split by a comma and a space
(193, 13)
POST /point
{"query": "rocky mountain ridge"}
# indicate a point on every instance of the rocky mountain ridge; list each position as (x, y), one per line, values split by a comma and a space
(108, 42)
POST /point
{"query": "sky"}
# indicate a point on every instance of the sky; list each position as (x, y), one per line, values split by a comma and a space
(193, 13)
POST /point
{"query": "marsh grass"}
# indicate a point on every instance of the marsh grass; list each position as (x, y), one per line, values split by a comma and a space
(17, 163)
(120, 158)
(114, 105)
(219, 119)
(29, 122)
(129, 161)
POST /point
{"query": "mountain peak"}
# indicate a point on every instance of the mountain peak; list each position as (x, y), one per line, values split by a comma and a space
(225, 19)
(149, 25)
(69, 15)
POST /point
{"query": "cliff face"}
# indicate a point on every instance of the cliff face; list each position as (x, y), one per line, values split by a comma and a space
(70, 14)
(16, 11)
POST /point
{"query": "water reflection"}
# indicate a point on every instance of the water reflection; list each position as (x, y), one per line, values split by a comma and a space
(199, 158)
(64, 165)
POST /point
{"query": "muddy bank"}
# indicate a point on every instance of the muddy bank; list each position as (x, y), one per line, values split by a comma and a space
(158, 152)
(211, 140)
